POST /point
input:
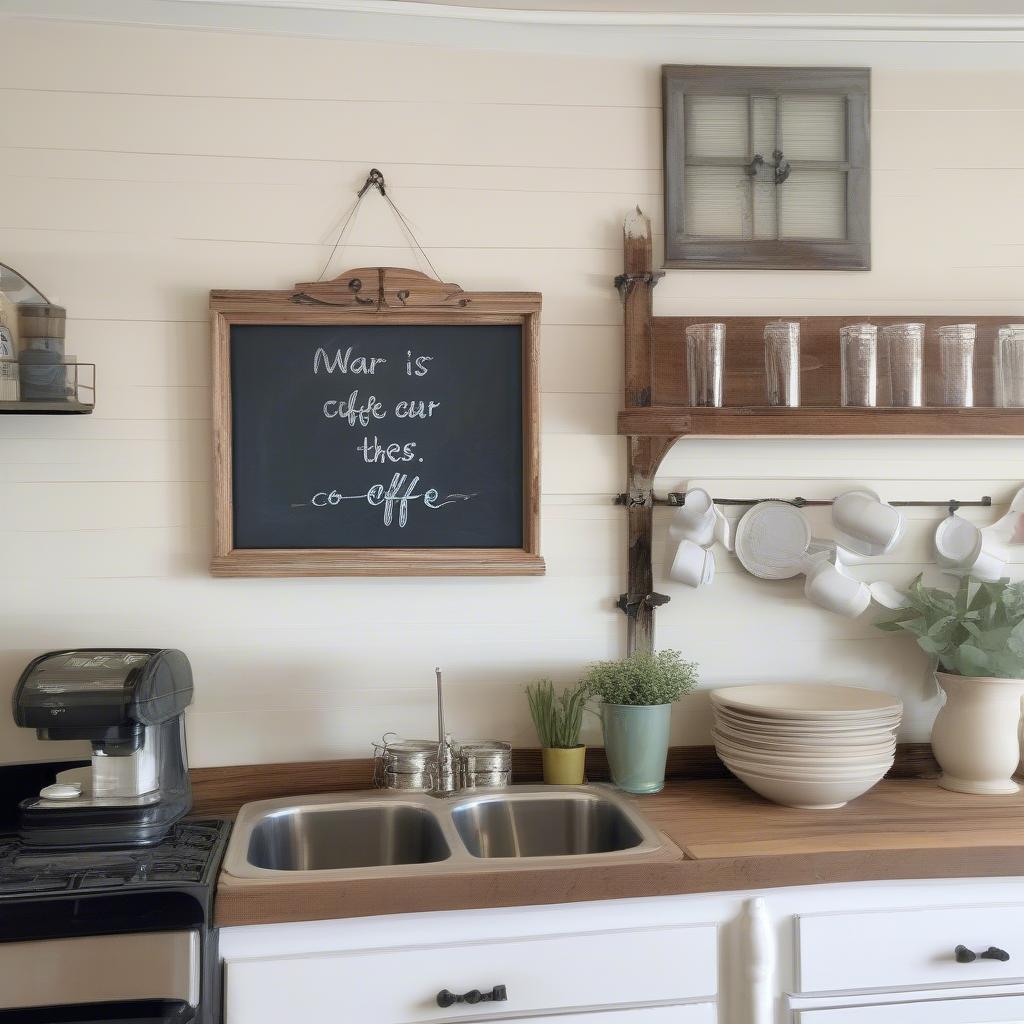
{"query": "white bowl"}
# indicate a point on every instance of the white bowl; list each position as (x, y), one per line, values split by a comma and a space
(807, 701)
(815, 773)
(884, 746)
(794, 727)
(811, 795)
(807, 760)
(863, 736)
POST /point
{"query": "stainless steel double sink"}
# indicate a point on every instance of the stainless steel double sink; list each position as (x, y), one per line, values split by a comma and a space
(376, 833)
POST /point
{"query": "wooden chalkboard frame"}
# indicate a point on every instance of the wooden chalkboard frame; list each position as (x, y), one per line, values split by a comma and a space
(379, 295)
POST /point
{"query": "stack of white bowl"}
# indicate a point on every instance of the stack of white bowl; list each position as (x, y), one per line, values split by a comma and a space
(806, 745)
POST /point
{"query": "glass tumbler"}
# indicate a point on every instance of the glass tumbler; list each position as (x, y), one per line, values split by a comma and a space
(956, 363)
(904, 348)
(1009, 366)
(705, 363)
(858, 350)
(782, 362)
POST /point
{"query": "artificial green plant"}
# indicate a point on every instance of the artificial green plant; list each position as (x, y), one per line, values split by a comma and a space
(977, 631)
(642, 679)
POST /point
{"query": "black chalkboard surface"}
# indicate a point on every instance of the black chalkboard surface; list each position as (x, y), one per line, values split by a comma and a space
(363, 435)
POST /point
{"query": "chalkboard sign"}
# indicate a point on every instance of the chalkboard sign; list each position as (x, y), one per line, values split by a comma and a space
(382, 423)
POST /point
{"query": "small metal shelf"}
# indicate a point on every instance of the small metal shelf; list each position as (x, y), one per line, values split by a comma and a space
(81, 403)
(66, 407)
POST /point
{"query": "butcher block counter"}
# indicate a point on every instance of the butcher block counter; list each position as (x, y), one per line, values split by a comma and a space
(721, 837)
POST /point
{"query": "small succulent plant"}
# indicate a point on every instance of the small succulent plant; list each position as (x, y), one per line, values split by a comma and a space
(977, 631)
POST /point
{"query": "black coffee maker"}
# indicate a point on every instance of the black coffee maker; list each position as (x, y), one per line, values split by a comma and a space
(129, 703)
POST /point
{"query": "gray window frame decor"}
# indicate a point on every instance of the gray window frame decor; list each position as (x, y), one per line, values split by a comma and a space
(695, 252)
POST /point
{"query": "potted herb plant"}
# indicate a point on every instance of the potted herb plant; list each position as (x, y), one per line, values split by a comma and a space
(636, 697)
(977, 637)
(558, 720)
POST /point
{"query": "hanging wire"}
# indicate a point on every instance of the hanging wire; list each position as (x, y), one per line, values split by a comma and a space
(375, 179)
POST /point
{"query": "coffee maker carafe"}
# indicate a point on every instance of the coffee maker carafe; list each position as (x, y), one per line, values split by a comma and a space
(129, 703)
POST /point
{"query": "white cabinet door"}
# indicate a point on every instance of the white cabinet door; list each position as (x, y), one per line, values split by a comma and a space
(973, 1010)
(548, 974)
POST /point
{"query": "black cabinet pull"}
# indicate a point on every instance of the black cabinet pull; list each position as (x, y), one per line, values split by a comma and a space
(473, 996)
(995, 953)
(968, 956)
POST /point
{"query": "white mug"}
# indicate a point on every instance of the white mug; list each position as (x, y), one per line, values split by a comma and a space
(699, 519)
(692, 565)
(962, 549)
(826, 585)
(869, 526)
(694, 519)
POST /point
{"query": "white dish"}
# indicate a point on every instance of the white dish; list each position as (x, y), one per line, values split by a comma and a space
(795, 726)
(817, 796)
(807, 701)
(831, 758)
(806, 773)
(884, 746)
(772, 539)
(809, 745)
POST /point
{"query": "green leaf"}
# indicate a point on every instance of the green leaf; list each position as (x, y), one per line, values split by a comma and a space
(932, 646)
(973, 661)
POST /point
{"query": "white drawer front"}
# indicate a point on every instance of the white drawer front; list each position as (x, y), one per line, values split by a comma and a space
(977, 1010)
(550, 973)
(907, 948)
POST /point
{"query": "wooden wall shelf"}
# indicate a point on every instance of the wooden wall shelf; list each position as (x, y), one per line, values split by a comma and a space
(656, 410)
(821, 421)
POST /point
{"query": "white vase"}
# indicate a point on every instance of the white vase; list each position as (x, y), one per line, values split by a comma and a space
(976, 736)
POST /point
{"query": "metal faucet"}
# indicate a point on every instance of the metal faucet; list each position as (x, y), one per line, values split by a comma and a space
(445, 783)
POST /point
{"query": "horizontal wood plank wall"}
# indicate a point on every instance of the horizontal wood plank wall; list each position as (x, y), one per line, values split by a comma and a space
(142, 167)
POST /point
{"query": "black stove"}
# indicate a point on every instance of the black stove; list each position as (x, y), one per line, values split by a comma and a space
(76, 914)
(184, 857)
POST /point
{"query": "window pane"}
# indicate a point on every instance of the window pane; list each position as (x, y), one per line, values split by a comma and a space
(765, 198)
(813, 127)
(717, 201)
(812, 204)
(716, 126)
(764, 125)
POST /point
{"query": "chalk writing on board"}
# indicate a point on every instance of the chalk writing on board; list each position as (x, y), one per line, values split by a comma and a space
(356, 411)
(366, 435)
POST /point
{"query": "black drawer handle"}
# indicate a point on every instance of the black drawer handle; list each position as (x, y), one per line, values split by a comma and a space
(473, 996)
(967, 956)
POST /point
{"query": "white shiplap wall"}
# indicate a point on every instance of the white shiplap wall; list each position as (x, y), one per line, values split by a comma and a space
(140, 167)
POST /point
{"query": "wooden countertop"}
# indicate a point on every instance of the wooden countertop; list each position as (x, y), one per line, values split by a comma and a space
(721, 836)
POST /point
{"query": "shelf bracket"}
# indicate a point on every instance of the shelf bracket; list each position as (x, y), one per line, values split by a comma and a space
(625, 283)
(632, 603)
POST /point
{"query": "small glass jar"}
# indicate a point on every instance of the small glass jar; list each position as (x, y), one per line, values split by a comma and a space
(904, 350)
(1009, 366)
(705, 363)
(782, 362)
(956, 364)
(858, 350)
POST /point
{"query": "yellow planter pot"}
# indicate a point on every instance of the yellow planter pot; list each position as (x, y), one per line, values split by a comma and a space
(563, 766)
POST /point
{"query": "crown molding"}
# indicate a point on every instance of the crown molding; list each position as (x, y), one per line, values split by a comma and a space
(875, 22)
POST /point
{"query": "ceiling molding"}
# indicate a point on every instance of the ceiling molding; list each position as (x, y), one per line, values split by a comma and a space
(879, 22)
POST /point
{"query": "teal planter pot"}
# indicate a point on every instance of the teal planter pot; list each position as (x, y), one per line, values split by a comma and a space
(636, 742)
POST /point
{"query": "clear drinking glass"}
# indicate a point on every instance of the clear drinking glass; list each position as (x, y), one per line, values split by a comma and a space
(858, 350)
(782, 362)
(1009, 366)
(956, 363)
(904, 348)
(705, 363)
